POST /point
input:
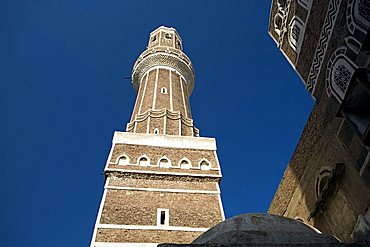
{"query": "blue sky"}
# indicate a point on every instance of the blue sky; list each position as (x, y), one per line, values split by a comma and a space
(63, 95)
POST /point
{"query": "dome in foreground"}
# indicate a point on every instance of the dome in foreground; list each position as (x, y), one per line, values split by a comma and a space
(262, 229)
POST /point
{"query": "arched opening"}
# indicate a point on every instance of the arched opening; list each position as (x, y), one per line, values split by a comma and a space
(296, 31)
(156, 131)
(278, 21)
(143, 161)
(185, 164)
(123, 160)
(164, 90)
(322, 182)
(204, 165)
(164, 162)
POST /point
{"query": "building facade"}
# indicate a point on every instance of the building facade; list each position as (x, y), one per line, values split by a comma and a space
(327, 181)
(161, 178)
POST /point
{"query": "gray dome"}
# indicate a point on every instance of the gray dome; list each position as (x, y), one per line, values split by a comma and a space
(262, 229)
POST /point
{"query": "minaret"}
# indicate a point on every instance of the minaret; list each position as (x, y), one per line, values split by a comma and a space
(164, 78)
(162, 179)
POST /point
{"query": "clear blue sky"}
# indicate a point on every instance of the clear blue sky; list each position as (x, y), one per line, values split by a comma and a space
(63, 95)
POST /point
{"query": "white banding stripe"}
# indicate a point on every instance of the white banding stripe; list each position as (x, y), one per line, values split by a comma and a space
(108, 244)
(220, 204)
(99, 215)
(171, 103)
(188, 142)
(155, 88)
(160, 228)
(163, 190)
(143, 93)
(183, 97)
(164, 173)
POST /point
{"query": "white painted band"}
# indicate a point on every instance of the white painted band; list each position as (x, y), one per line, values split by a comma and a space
(160, 228)
(189, 142)
(164, 173)
(100, 244)
(163, 190)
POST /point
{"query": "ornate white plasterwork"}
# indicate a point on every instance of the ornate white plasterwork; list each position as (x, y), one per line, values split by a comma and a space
(358, 15)
(362, 12)
(296, 33)
(173, 60)
(339, 74)
(278, 20)
(284, 13)
(322, 45)
(173, 115)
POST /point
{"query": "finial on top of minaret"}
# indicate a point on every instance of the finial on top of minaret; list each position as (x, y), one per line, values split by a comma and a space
(165, 36)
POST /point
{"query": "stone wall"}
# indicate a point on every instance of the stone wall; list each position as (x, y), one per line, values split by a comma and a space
(152, 236)
(129, 207)
(320, 147)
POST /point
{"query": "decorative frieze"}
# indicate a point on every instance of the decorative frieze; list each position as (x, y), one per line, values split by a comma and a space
(322, 46)
(339, 74)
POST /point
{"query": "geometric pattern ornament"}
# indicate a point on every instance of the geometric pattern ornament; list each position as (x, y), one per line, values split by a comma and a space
(324, 39)
(174, 61)
(363, 8)
(296, 32)
(340, 77)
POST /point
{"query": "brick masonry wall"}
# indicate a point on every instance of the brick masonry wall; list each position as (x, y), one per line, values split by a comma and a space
(314, 23)
(125, 207)
(152, 236)
(139, 97)
(319, 148)
(149, 92)
(178, 103)
(163, 100)
(291, 54)
(151, 97)
(309, 45)
(172, 127)
(156, 123)
(337, 40)
(296, 167)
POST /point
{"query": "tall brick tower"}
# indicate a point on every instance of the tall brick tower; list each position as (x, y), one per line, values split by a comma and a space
(162, 179)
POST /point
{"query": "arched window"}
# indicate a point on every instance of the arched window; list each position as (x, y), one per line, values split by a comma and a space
(341, 75)
(362, 12)
(123, 160)
(278, 21)
(164, 90)
(156, 131)
(144, 161)
(296, 32)
(154, 38)
(185, 164)
(204, 165)
(164, 162)
(322, 182)
(178, 44)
